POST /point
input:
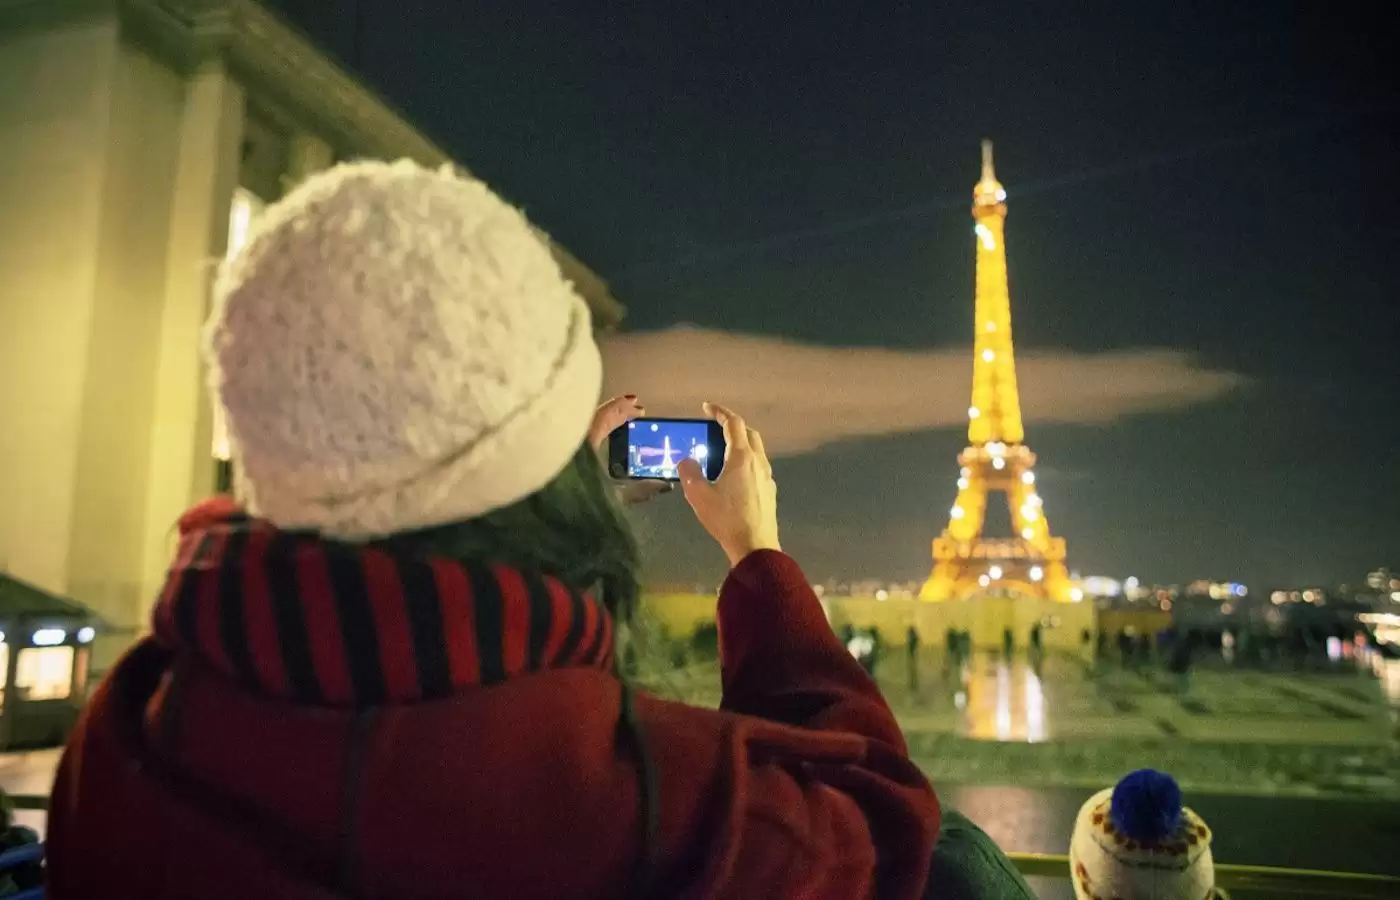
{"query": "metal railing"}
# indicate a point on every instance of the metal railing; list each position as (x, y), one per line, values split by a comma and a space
(1269, 881)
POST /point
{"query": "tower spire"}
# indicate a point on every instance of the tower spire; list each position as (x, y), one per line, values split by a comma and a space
(988, 192)
(996, 404)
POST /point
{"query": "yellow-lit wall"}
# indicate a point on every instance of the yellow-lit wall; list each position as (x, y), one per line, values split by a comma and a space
(114, 169)
(111, 479)
(680, 614)
(51, 173)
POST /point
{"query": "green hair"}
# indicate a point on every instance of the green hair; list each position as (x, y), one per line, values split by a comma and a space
(572, 528)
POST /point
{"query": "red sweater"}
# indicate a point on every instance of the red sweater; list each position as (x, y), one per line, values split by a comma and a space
(473, 768)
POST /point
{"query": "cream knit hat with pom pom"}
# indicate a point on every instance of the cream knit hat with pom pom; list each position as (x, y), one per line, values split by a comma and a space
(1135, 841)
(395, 348)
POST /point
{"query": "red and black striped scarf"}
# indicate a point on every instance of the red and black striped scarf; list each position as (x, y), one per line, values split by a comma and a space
(296, 616)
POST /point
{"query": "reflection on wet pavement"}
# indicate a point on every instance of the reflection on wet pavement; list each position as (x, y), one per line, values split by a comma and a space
(1005, 701)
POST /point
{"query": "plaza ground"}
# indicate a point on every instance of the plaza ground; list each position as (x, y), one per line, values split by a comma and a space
(1231, 731)
(993, 721)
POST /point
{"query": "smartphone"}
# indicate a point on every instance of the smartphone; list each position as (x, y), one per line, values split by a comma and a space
(650, 449)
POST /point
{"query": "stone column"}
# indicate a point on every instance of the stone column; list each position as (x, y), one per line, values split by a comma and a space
(182, 467)
(307, 154)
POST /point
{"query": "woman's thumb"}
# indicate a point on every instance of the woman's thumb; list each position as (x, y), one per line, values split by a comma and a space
(692, 477)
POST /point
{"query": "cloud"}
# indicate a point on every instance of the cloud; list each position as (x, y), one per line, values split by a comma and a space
(805, 396)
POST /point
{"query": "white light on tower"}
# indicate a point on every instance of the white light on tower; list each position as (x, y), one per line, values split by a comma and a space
(995, 572)
(964, 471)
(1037, 573)
(1076, 595)
(1030, 512)
(984, 581)
(962, 484)
(86, 634)
(973, 412)
(1027, 533)
(991, 326)
(998, 463)
(1028, 477)
(48, 637)
(988, 355)
(882, 594)
(956, 512)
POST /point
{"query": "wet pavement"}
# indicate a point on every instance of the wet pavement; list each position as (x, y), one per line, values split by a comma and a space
(1062, 698)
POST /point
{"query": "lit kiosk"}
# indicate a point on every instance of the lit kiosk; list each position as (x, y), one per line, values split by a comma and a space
(45, 654)
(1011, 583)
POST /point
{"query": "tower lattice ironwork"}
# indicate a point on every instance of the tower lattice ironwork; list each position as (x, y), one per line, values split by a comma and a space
(1031, 562)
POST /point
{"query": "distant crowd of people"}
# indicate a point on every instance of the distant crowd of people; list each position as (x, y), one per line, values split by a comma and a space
(1178, 650)
(867, 645)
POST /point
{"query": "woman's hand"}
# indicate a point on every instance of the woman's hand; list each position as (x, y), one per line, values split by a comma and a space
(740, 509)
(611, 416)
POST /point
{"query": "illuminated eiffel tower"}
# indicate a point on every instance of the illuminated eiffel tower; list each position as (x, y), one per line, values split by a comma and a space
(667, 465)
(1032, 562)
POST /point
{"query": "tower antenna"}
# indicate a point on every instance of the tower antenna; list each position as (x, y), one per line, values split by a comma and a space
(987, 173)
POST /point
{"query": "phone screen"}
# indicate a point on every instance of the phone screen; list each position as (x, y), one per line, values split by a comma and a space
(653, 448)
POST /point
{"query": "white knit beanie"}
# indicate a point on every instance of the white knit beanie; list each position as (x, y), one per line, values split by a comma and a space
(1135, 841)
(396, 348)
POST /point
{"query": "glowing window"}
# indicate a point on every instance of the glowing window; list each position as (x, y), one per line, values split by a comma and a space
(44, 673)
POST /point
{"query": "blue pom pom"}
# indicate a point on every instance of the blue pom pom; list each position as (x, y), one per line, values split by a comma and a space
(1146, 805)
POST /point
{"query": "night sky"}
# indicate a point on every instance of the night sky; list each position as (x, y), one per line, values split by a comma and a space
(1206, 193)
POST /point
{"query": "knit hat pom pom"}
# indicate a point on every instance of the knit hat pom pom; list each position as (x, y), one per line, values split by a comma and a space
(1146, 805)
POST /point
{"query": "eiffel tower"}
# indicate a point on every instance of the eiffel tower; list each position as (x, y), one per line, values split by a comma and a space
(967, 564)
